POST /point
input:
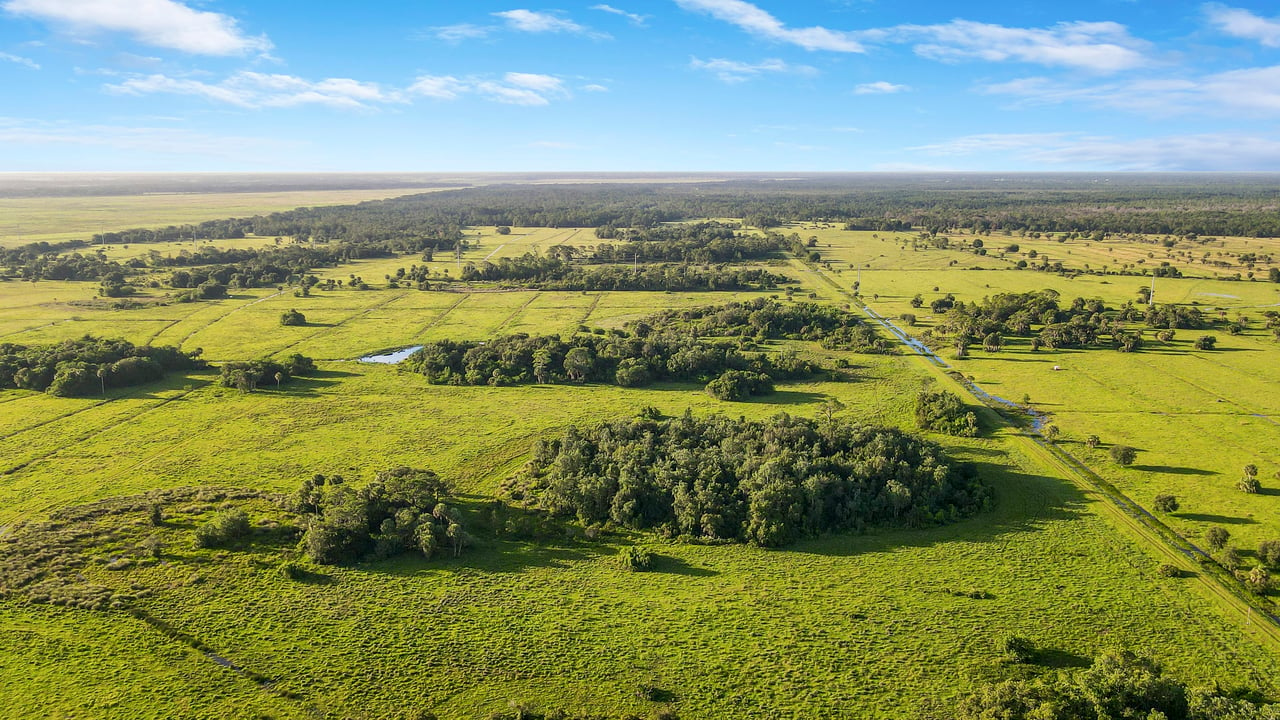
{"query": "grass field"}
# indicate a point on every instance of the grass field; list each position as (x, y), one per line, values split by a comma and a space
(842, 626)
(54, 219)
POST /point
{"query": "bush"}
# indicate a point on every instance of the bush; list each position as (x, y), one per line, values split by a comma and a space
(945, 412)
(1269, 553)
(1016, 649)
(1123, 455)
(1166, 503)
(736, 385)
(1206, 342)
(635, 559)
(223, 529)
(1169, 571)
(1249, 484)
(1217, 537)
(293, 318)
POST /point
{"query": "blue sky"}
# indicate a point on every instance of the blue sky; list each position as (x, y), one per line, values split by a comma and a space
(658, 85)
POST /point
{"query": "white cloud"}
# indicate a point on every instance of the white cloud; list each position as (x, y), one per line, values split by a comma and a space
(733, 71)
(880, 87)
(461, 31)
(595, 88)
(1251, 91)
(1095, 46)
(759, 22)
(161, 23)
(542, 22)
(635, 18)
(513, 89)
(1103, 47)
(1241, 23)
(20, 60)
(258, 90)
(1205, 152)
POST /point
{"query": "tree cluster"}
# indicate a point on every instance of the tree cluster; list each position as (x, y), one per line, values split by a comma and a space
(402, 510)
(944, 412)
(247, 376)
(551, 273)
(766, 318)
(89, 365)
(767, 483)
(1117, 685)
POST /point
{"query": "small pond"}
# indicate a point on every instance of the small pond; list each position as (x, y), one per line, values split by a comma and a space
(391, 358)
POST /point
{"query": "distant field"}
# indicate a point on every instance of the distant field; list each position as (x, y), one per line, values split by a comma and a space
(53, 219)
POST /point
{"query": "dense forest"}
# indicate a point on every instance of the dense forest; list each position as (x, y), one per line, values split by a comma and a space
(89, 366)
(1151, 204)
(766, 483)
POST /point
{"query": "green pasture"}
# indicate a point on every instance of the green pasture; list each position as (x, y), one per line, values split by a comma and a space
(855, 626)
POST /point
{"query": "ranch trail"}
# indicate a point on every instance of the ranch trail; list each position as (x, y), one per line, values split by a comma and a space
(225, 315)
(436, 320)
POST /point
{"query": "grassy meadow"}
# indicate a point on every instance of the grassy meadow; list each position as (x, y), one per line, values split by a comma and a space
(859, 626)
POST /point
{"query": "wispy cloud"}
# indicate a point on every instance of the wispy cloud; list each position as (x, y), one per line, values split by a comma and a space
(1240, 23)
(1095, 46)
(20, 60)
(635, 18)
(1252, 91)
(461, 31)
(1204, 152)
(258, 90)
(512, 89)
(1103, 47)
(160, 23)
(880, 87)
(733, 71)
(531, 21)
(759, 22)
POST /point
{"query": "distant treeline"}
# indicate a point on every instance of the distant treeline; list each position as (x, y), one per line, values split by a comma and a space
(709, 242)
(1227, 205)
(89, 366)
(548, 273)
(766, 483)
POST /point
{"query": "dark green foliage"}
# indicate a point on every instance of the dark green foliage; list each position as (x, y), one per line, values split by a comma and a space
(1166, 503)
(1116, 686)
(1206, 342)
(1016, 649)
(735, 385)
(223, 529)
(45, 261)
(1169, 571)
(1269, 553)
(292, 318)
(88, 366)
(766, 483)
(550, 273)
(402, 510)
(944, 412)
(1217, 537)
(248, 376)
(764, 318)
(702, 243)
(1123, 455)
(634, 559)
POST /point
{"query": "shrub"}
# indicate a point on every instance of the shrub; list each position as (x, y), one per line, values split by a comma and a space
(1166, 503)
(1269, 553)
(1169, 571)
(945, 412)
(223, 529)
(1217, 537)
(1206, 342)
(1016, 649)
(1249, 484)
(736, 385)
(1123, 455)
(635, 559)
(292, 318)
(1231, 559)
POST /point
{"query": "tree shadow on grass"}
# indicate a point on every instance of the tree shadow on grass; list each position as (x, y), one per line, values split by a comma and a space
(1060, 659)
(786, 397)
(1171, 470)
(1220, 519)
(677, 566)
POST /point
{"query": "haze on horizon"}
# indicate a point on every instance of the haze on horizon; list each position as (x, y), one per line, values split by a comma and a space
(665, 85)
